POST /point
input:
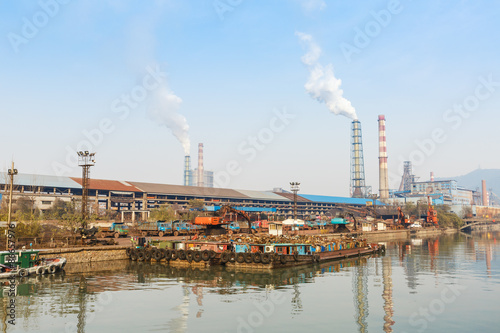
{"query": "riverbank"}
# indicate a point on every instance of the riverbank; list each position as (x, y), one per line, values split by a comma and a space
(388, 235)
(87, 254)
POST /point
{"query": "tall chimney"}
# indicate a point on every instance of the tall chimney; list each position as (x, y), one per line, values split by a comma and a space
(187, 169)
(200, 165)
(432, 176)
(484, 193)
(382, 159)
(358, 188)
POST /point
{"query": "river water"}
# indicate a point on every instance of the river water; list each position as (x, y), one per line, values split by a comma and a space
(449, 283)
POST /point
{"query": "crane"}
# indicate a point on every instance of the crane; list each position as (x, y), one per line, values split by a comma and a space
(224, 209)
(402, 219)
(431, 212)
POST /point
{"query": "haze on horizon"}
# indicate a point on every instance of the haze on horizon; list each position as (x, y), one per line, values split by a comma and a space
(144, 82)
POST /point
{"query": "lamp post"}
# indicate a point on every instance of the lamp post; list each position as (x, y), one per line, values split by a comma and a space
(12, 172)
(374, 200)
(295, 187)
(85, 160)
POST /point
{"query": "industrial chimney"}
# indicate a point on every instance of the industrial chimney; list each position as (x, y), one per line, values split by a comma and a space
(432, 176)
(358, 188)
(187, 169)
(200, 165)
(484, 193)
(382, 159)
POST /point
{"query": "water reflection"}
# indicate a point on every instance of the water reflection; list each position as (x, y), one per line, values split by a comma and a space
(360, 288)
(387, 294)
(365, 285)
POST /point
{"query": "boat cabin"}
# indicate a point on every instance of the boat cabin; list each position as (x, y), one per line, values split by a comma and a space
(302, 249)
(201, 246)
(22, 259)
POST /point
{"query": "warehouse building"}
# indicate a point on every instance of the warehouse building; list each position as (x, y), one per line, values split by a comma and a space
(135, 200)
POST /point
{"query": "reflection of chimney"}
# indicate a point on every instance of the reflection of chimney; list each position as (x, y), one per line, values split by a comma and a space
(484, 193)
(200, 165)
(187, 168)
(432, 176)
(382, 157)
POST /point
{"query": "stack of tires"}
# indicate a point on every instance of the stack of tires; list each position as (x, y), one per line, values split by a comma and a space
(169, 254)
(253, 258)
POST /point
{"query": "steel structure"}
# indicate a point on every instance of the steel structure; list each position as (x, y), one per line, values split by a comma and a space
(187, 169)
(85, 160)
(358, 188)
(383, 172)
(408, 177)
(294, 187)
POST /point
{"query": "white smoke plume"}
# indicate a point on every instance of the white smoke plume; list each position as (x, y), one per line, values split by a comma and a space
(164, 110)
(322, 84)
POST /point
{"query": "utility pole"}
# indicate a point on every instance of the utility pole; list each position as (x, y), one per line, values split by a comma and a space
(11, 173)
(85, 160)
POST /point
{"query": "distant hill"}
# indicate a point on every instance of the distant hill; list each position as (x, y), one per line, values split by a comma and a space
(472, 180)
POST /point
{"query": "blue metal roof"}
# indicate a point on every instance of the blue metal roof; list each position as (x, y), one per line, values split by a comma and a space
(340, 200)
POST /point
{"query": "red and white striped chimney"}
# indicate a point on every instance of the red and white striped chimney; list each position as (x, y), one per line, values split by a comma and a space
(382, 156)
(200, 165)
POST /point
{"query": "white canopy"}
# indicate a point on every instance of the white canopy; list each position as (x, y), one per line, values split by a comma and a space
(293, 222)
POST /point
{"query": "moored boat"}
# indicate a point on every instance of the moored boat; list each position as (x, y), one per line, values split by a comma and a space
(22, 263)
(255, 255)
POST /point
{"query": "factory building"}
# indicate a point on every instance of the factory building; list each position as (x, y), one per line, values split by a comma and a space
(449, 189)
(199, 176)
(208, 178)
(135, 200)
(442, 192)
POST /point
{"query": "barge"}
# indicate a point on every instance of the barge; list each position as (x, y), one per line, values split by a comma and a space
(260, 255)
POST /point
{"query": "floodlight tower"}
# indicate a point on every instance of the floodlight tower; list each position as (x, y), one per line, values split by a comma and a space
(85, 160)
(295, 187)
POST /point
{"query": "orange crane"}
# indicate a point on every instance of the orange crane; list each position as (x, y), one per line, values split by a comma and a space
(402, 218)
(228, 209)
(431, 212)
(213, 225)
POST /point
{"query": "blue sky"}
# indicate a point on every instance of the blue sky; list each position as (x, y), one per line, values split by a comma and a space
(235, 65)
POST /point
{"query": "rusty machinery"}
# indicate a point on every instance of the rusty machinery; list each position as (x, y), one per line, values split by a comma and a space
(224, 209)
(353, 211)
(402, 219)
(431, 212)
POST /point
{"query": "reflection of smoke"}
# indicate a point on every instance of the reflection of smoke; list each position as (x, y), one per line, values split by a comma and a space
(322, 84)
(165, 111)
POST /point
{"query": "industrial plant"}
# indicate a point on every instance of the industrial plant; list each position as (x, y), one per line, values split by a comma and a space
(199, 176)
(135, 200)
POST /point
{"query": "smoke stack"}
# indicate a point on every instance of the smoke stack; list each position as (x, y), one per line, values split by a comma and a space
(432, 176)
(200, 165)
(382, 157)
(484, 193)
(358, 187)
(187, 169)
